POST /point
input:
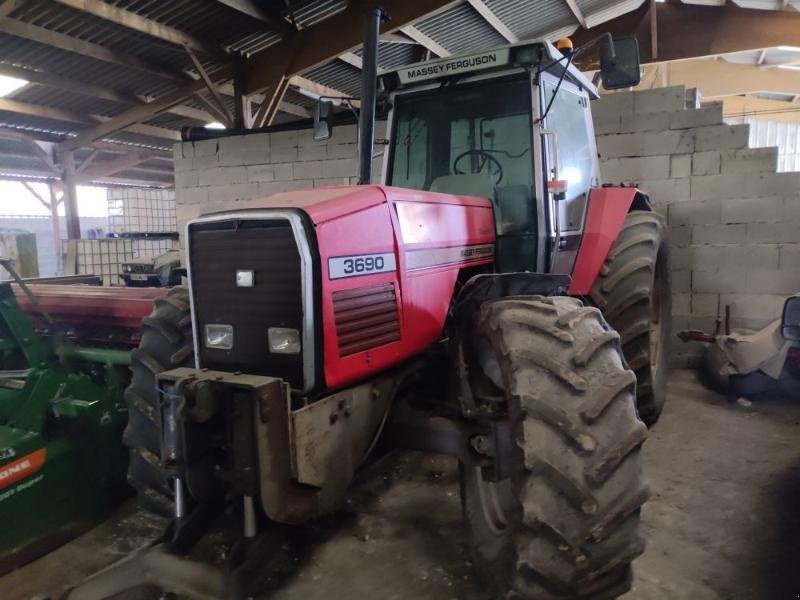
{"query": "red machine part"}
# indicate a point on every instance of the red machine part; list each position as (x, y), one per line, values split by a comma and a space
(94, 313)
(376, 320)
(605, 215)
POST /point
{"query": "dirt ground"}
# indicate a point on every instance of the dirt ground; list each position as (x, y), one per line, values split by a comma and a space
(723, 523)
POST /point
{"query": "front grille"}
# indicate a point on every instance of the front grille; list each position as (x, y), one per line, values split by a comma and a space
(268, 248)
(365, 318)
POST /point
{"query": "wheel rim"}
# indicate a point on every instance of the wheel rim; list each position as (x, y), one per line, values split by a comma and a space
(494, 500)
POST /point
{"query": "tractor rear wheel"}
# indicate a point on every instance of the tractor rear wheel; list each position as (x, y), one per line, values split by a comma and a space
(633, 291)
(567, 524)
(166, 343)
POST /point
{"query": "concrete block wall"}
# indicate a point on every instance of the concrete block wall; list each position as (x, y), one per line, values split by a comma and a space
(212, 175)
(734, 221)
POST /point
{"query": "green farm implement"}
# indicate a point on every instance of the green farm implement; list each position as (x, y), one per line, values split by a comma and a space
(64, 358)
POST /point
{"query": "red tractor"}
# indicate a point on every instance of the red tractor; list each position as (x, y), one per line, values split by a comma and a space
(489, 300)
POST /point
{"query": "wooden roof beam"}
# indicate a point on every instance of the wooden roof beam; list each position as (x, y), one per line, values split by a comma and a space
(58, 40)
(425, 41)
(136, 22)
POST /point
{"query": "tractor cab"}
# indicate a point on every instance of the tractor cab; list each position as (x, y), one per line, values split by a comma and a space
(512, 125)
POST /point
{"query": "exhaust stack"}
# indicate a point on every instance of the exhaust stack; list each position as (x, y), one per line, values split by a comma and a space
(369, 87)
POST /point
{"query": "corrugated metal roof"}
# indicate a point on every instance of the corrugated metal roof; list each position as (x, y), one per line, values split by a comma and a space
(460, 29)
(338, 75)
(533, 20)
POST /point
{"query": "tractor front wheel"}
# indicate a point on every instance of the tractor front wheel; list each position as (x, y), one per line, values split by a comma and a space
(166, 343)
(567, 524)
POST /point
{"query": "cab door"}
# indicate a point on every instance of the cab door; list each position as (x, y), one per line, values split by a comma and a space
(569, 149)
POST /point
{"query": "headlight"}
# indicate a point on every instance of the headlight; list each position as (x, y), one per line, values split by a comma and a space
(283, 340)
(219, 337)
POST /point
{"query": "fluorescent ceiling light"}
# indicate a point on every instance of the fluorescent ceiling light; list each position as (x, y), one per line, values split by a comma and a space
(789, 48)
(215, 125)
(10, 84)
(792, 67)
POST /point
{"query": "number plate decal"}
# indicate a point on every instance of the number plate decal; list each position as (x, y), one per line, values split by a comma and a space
(361, 264)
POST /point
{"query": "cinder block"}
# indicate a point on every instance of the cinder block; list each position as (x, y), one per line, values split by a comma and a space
(283, 172)
(659, 99)
(721, 137)
(209, 176)
(186, 149)
(636, 169)
(752, 210)
(680, 236)
(706, 163)
(646, 144)
(750, 256)
(681, 258)
(666, 191)
(258, 173)
(791, 208)
(773, 281)
(205, 148)
(201, 163)
(681, 304)
(705, 305)
(680, 165)
(718, 282)
(282, 153)
(749, 160)
(606, 123)
(697, 117)
(231, 175)
(681, 280)
(307, 170)
(719, 234)
(752, 306)
(198, 195)
(613, 103)
(773, 233)
(695, 213)
(342, 151)
(312, 151)
(641, 122)
(707, 258)
(186, 179)
(284, 139)
(233, 192)
(344, 134)
(268, 188)
(182, 164)
(324, 182)
(341, 167)
(789, 256)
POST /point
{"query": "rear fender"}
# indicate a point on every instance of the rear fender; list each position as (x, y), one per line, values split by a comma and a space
(605, 216)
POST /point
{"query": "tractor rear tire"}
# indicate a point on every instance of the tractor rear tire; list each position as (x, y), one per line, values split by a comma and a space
(567, 524)
(166, 343)
(633, 291)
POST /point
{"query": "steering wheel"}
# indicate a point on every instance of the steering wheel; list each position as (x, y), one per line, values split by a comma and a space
(487, 158)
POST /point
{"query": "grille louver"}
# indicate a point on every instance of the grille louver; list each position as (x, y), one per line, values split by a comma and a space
(366, 318)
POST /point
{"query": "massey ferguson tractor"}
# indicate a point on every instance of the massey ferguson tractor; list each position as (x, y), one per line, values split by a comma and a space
(489, 300)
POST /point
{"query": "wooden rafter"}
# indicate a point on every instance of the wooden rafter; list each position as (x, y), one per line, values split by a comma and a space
(269, 107)
(136, 22)
(212, 88)
(425, 41)
(328, 39)
(493, 20)
(35, 194)
(9, 6)
(39, 77)
(55, 39)
(352, 59)
(108, 168)
(256, 10)
(213, 110)
(140, 113)
(87, 161)
(317, 90)
(577, 13)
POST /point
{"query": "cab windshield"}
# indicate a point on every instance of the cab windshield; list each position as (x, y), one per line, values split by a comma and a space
(472, 139)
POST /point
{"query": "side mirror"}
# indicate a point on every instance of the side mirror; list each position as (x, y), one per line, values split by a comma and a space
(790, 322)
(323, 114)
(619, 63)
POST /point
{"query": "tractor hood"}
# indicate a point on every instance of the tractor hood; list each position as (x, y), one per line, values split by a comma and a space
(328, 203)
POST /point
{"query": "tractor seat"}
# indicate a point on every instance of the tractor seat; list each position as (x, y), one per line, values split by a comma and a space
(468, 184)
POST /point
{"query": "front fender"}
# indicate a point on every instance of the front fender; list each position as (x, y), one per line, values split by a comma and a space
(607, 208)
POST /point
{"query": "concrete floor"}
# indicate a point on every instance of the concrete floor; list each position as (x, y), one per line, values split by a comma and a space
(723, 523)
